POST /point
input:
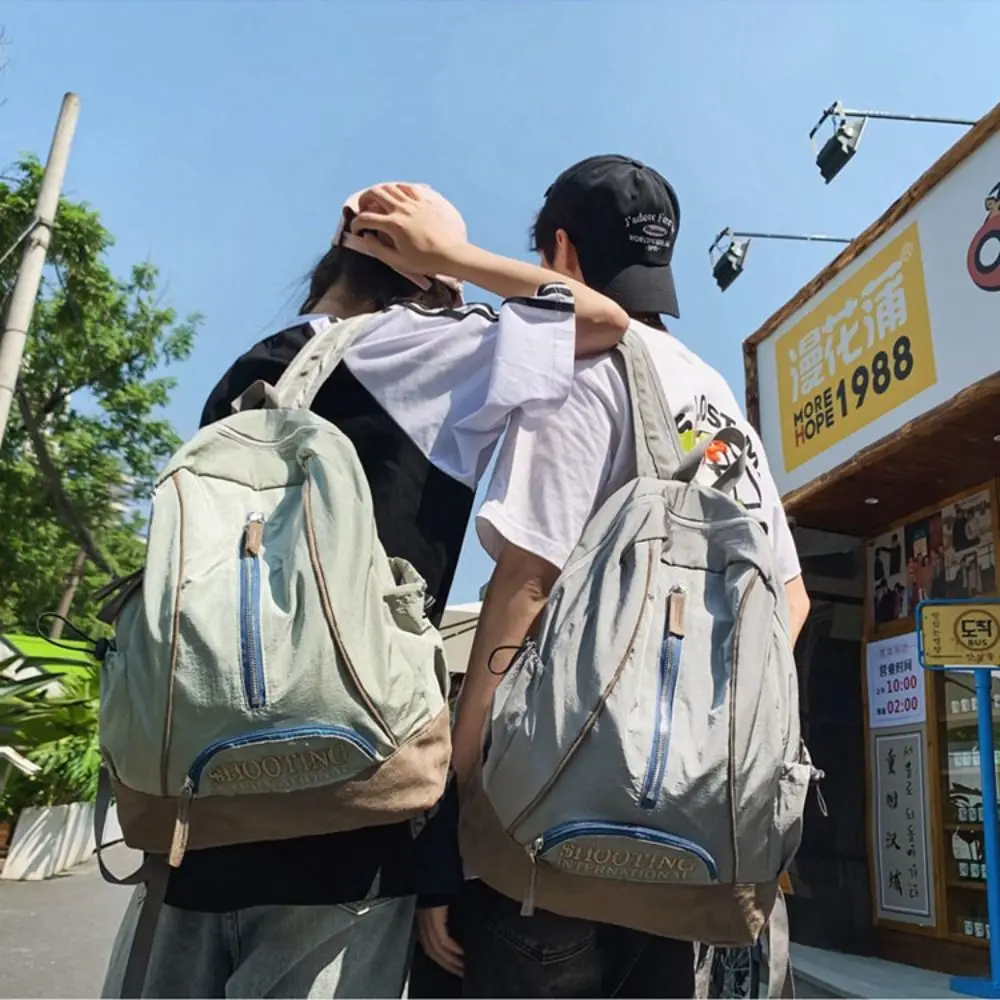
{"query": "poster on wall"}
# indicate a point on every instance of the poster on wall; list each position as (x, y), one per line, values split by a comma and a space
(887, 582)
(969, 559)
(925, 572)
(905, 892)
(895, 683)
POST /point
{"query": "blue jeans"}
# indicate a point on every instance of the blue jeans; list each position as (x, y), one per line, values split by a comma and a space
(547, 955)
(340, 950)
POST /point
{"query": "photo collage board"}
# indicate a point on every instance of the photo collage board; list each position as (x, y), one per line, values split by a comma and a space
(946, 554)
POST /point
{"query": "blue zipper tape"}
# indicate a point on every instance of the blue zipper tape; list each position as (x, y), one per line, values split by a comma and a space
(251, 642)
(656, 768)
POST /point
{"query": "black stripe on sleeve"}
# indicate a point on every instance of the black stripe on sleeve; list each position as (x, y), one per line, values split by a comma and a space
(455, 312)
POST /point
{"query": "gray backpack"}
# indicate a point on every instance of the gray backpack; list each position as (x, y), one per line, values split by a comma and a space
(273, 673)
(643, 763)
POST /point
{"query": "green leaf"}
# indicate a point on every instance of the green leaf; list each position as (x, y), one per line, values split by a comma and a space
(95, 379)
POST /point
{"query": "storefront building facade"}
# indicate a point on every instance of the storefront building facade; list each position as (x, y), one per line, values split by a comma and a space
(876, 390)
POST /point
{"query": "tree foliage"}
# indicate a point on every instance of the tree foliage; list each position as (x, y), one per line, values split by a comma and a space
(49, 707)
(88, 435)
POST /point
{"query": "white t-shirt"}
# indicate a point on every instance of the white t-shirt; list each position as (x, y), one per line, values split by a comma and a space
(555, 470)
(451, 377)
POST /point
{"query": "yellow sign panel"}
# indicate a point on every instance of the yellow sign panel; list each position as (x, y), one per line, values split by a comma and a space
(859, 354)
(961, 634)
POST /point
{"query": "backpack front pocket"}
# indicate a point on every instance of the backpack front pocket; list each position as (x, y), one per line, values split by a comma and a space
(620, 851)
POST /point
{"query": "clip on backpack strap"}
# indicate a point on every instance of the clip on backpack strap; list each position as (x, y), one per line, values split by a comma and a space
(153, 872)
(780, 985)
(313, 365)
(658, 450)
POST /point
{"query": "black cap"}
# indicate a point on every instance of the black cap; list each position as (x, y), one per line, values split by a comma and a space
(623, 218)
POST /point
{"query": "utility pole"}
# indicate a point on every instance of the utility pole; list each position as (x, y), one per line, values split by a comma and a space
(22, 297)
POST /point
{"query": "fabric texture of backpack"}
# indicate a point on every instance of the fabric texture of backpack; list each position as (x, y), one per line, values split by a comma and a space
(273, 673)
(643, 764)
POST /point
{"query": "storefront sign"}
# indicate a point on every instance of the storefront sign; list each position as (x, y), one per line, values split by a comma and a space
(962, 633)
(858, 354)
(904, 878)
(895, 683)
(907, 323)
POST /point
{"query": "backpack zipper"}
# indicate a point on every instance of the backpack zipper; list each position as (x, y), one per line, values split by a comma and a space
(251, 644)
(670, 659)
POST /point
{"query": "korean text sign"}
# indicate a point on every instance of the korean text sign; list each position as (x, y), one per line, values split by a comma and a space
(960, 633)
(859, 354)
(895, 683)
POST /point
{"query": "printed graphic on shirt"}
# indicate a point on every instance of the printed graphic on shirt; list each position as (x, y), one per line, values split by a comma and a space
(708, 419)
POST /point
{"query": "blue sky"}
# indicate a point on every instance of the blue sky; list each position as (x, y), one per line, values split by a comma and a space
(218, 138)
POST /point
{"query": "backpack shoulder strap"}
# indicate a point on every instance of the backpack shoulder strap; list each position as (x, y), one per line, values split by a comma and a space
(308, 370)
(152, 874)
(780, 982)
(658, 449)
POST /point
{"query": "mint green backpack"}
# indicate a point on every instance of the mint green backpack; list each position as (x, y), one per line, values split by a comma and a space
(273, 673)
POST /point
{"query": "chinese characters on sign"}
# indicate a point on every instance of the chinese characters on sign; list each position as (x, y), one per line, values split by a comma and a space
(859, 354)
(965, 633)
(901, 844)
(895, 682)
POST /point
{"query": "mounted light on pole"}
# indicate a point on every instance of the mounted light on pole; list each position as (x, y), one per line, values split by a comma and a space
(728, 252)
(849, 126)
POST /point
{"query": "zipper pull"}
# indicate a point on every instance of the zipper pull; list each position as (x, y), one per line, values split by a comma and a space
(815, 778)
(178, 845)
(675, 611)
(528, 906)
(254, 534)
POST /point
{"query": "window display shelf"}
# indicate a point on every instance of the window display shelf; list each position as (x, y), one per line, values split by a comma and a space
(962, 820)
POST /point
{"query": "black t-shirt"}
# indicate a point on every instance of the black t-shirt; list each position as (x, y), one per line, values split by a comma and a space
(423, 395)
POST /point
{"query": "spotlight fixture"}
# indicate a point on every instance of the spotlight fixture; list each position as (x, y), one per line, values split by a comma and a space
(728, 266)
(849, 126)
(728, 252)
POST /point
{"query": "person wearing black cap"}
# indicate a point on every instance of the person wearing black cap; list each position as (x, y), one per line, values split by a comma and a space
(613, 223)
